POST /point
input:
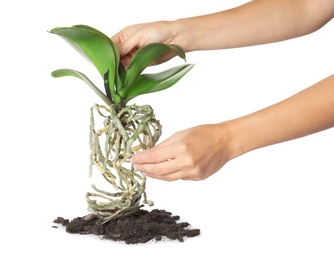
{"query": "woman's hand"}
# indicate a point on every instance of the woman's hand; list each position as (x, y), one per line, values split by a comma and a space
(192, 154)
(133, 37)
(199, 152)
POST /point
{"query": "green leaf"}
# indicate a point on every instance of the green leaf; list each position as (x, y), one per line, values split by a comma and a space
(145, 56)
(118, 65)
(149, 83)
(95, 46)
(69, 72)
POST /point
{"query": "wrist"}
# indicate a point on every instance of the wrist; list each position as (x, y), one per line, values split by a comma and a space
(185, 34)
(238, 137)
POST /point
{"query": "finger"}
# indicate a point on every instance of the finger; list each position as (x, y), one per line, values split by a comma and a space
(129, 46)
(154, 155)
(126, 61)
(116, 39)
(170, 177)
(161, 169)
(169, 170)
(173, 176)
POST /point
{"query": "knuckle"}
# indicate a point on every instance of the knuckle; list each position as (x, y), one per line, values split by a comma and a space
(196, 173)
(189, 162)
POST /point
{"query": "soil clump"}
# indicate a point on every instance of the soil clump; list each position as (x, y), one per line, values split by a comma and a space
(139, 227)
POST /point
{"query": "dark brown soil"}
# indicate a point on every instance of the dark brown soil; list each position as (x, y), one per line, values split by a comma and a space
(140, 227)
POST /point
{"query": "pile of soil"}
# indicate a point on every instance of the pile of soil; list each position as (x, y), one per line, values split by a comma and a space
(139, 227)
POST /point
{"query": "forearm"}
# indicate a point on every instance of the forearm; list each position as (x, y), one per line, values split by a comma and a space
(256, 22)
(305, 113)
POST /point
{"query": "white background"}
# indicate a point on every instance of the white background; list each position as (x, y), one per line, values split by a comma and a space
(272, 203)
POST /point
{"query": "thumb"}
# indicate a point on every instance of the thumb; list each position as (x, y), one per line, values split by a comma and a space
(116, 39)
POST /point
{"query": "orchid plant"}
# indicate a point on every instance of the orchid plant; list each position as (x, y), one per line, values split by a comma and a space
(126, 128)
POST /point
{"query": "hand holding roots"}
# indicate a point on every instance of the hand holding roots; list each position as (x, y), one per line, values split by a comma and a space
(127, 131)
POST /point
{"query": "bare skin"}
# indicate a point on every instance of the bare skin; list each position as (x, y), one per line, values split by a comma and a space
(254, 23)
